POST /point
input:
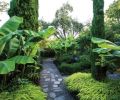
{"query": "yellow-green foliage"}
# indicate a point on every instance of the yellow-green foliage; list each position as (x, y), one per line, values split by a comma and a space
(24, 92)
(90, 89)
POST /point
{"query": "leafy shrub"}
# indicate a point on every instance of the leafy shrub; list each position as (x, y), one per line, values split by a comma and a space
(69, 68)
(65, 58)
(85, 60)
(84, 41)
(72, 68)
(34, 77)
(24, 92)
(90, 89)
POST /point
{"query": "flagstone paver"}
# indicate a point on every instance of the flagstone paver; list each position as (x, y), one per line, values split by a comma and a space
(52, 82)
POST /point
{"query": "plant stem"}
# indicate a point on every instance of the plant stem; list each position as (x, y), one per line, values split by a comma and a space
(23, 71)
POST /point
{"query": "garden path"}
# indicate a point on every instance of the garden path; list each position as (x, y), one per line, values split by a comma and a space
(52, 82)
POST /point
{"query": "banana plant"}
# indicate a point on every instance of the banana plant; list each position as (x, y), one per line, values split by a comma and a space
(13, 42)
(108, 51)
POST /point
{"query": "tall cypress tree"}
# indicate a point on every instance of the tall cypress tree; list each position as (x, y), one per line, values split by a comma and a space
(98, 31)
(28, 9)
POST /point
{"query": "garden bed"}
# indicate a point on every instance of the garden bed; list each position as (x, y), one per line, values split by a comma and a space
(90, 89)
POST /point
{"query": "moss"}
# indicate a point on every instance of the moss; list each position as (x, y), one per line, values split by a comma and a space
(90, 89)
(24, 92)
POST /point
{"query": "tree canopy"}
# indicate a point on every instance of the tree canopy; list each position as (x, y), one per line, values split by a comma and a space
(3, 6)
(64, 23)
(114, 11)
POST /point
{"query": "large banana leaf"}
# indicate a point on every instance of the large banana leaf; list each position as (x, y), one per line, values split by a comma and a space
(47, 32)
(3, 41)
(11, 25)
(116, 53)
(101, 50)
(34, 50)
(22, 59)
(99, 40)
(31, 33)
(14, 45)
(102, 43)
(6, 67)
(109, 46)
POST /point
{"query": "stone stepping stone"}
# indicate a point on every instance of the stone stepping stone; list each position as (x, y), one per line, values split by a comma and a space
(57, 82)
(53, 80)
(47, 79)
(45, 89)
(60, 98)
(52, 94)
(54, 86)
(60, 79)
(58, 90)
(45, 86)
(56, 75)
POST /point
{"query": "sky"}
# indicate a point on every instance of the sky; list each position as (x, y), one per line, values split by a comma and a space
(82, 9)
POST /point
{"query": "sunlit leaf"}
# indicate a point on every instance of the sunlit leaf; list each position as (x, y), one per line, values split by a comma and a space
(22, 59)
(6, 66)
(47, 32)
(11, 25)
(14, 44)
(101, 50)
(3, 41)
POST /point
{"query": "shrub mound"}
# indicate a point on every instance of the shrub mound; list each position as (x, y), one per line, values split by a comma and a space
(24, 92)
(72, 68)
(89, 89)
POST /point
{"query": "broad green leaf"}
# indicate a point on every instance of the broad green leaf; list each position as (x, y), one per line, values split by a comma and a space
(6, 67)
(47, 32)
(34, 50)
(116, 53)
(22, 59)
(32, 41)
(3, 41)
(101, 50)
(109, 46)
(102, 43)
(11, 25)
(99, 40)
(14, 44)
(31, 33)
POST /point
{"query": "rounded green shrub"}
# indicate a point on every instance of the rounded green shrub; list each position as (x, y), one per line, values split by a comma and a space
(74, 67)
(24, 92)
(90, 89)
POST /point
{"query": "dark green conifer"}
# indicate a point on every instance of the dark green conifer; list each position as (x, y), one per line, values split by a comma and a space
(98, 31)
(28, 9)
